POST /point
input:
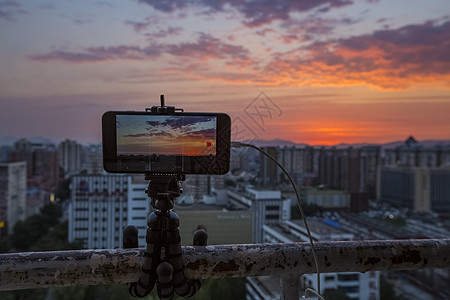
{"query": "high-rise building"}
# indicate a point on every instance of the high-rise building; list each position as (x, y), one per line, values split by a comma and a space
(293, 160)
(269, 169)
(70, 157)
(42, 163)
(22, 151)
(98, 211)
(5, 151)
(413, 154)
(13, 185)
(266, 206)
(418, 189)
(94, 159)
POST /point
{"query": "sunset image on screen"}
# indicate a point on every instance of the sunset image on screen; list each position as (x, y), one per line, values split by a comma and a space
(166, 135)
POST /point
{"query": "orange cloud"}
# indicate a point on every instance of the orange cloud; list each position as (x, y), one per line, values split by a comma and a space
(387, 59)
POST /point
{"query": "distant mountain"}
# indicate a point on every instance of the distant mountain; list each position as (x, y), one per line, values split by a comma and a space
(355, 145)
(276, 142)
(283, 143)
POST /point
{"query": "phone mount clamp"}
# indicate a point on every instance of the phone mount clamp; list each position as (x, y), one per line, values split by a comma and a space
(163, 263)
(163, 109)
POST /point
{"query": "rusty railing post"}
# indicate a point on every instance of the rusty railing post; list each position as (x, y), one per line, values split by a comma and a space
(290, 286)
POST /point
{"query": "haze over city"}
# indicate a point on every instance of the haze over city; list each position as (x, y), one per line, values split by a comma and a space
(316, 72)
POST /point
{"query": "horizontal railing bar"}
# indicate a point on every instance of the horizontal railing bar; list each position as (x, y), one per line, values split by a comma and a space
(92, 267)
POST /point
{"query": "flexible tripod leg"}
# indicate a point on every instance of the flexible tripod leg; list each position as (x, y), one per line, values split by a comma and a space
(163, 262)
(152, 255)
(164, 284)
(174, 257)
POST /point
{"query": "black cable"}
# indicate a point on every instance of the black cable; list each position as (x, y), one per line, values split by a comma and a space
(313, 250)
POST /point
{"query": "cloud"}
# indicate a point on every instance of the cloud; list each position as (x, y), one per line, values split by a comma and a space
(184, 122)
(166, 5)
(385, 59)
(256, 13)
(170, 31)
(138, 26)
(46, 6)
(9, 10)
(206, 47)
(311, 28)
(82, 21)
(209, 133)
(104, 4)
(99, 54)
(152, 133)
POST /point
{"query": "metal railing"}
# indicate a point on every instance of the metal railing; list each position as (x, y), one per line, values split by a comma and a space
(289, 261)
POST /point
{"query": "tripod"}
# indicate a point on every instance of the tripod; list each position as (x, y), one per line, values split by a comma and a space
(163, 263)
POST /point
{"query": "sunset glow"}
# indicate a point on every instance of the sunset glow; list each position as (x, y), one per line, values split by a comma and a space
(317, 72)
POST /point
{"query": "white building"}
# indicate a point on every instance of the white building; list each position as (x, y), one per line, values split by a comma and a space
(13, 189)
(103, 205)
(99, 210)
(266, 206)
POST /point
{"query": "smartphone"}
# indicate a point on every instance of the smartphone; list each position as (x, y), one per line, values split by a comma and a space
(156, 143)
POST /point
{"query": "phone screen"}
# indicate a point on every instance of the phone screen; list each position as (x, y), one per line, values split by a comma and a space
(150, 143)
(167, 135)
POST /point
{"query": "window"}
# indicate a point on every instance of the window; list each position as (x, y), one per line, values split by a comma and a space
(349, 289)
(348, 277)
(138, 208)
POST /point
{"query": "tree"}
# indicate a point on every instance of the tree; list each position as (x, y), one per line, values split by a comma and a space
(63, 189)
(55, 240)
(26, 233)
(29, 231)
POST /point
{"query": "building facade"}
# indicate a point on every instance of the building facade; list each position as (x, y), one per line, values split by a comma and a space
(70, 155)
(98, 211)
(415, 188)
(42, 163)
(93, 162)
(13, 188)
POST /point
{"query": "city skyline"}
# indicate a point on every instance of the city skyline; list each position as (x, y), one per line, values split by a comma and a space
(321, 73)
(10, 140)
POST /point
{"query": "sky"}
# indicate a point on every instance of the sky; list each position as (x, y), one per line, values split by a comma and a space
(320, 72)
(166, 135)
